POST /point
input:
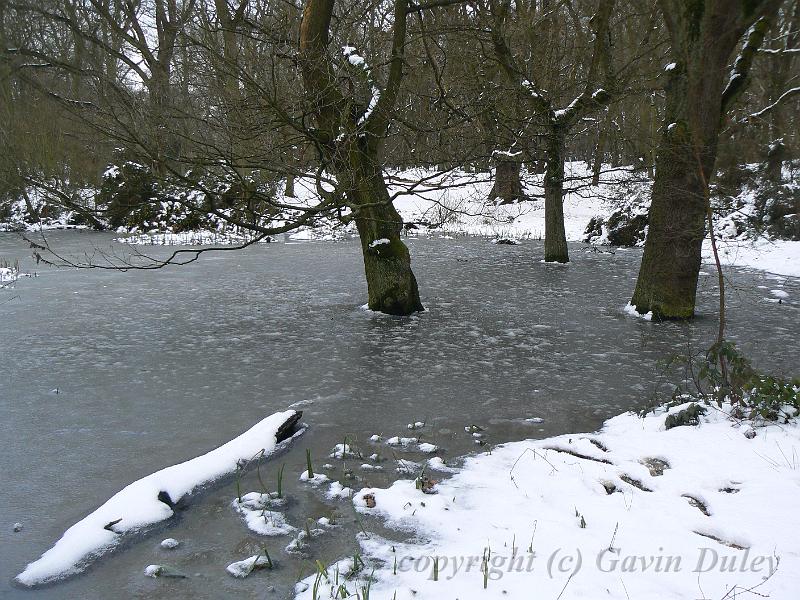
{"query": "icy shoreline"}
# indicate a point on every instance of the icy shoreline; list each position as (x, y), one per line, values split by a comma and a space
(631, 511)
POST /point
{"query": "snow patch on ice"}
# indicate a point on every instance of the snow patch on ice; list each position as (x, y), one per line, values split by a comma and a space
(630, 309)
(337, 491)
(243, 568)
(428, 448)
(254, 509)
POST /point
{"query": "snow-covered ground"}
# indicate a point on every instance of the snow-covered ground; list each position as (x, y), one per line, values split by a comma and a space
(632, 511)
(19, 216)
(456, 203)
(781, 257)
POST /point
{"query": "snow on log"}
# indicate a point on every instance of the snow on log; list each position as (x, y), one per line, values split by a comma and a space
(152, 499)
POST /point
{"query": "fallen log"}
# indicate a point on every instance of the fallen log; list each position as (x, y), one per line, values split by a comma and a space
(153, 499)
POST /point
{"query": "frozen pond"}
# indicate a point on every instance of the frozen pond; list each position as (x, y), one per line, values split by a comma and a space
(153, 368)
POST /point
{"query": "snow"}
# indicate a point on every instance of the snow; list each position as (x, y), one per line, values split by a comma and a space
(163, 571)
(630, 309)
(170, 544)
(337, 491)
(456, 203)
(315, 479)
(243, 568)
(152, 570)
(528, 85)
(8, 275)
(379, 242)
(633, 510)
(506, 154)
(561, 113)
(253, 507)
(137, 506)
(407, 467)
(369, 467)
(781, 257)
(358, 61)
(428, 448)
(344, 451)
(401, 441)
(670, 67)
(437, 464)
(192, 238)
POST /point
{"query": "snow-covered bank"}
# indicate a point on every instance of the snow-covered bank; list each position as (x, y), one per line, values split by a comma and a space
(781, 257)
(633, 511)
(151, 500)
(451, 203)
(456, 203)
(41, 210)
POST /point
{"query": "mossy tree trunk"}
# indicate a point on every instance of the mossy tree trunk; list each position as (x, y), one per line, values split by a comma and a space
(391, 285)
(699, 92)
(667, 281)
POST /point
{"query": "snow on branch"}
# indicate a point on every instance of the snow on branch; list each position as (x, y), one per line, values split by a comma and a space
(784, 96)
(152, 499)
(779, 50)
(581, 105)
(358, 61)
(741, 66)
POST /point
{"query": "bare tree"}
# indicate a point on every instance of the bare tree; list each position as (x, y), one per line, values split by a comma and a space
(557, 123)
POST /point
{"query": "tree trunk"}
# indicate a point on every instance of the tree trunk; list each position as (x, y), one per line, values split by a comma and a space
(776, 154)
(289, 189)
(391, 285)
(507, 183)
(33, 214)
(161, 134)
(599, 152)
(697, 99)
(667, 282)
(555, 237)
